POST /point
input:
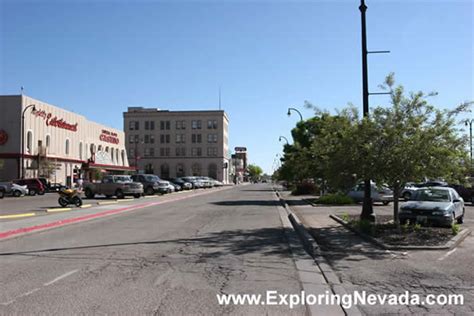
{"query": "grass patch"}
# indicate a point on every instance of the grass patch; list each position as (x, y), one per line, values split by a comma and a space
(334, 199)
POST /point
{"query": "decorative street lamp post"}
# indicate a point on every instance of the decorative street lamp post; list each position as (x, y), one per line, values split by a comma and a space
(296, 110)
(469, 122)
(283, 137)
(22, 157)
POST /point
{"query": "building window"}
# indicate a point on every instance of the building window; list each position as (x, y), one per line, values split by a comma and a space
(180, 138)
(165, 125)
(123, 157)
(117, 155)
(180, 170)
(212, 151)
(67, 147)
(149, 169)
(80, 150)
(164, 152)
(180, 151)
(212, 171)
(48, 141)
(180, 124)
(149, 139)
(134, 125)
(196, 169)
(165, 138)
(112, 155)
(29, 142)
(131, 152)
(149, 152)
(150, 125)
(196, 152)
(196, 138)
(212, 138)
(196, 124)
(212, 124)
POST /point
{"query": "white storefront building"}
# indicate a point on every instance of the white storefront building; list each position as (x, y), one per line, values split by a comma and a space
(57, 144)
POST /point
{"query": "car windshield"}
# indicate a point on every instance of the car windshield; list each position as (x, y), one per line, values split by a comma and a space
(123, 179)
(432, 195)
(151, 178)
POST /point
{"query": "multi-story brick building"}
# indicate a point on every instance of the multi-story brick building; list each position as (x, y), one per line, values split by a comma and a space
(178, 143)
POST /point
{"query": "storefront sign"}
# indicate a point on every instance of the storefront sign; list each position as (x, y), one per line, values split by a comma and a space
(54, 120)
(109, 137)
(3, 137)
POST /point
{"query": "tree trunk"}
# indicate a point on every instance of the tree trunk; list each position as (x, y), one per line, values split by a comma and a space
(367, 207)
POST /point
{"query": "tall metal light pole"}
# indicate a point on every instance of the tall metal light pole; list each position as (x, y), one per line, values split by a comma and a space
(296, 110)
(367, 209)
(469, 122)
(283, 137)
(22, 157)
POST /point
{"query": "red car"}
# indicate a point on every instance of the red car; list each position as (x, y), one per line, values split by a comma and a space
(34, 185)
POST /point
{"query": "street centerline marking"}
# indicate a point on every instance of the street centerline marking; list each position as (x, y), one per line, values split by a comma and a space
(65, 275)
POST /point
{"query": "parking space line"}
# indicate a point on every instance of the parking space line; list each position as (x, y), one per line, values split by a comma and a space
(447, 254)
(17, 215)
(65, 275)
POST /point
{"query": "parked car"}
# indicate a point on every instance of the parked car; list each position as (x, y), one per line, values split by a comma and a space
(2, 192)
(196, 183)
(182, 183)
(118, 185)
(206, 182)
(432, 183)
(378, 193)
(151, 184)
(13, 189)
(177, 187)
(35, 186)
(408, 190)
(467, 193)
(55, 187)
(438, 205)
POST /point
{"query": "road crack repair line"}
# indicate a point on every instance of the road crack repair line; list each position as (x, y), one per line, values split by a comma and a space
(63, 276)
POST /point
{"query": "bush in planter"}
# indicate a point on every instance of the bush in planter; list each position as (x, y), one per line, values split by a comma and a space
(334, 199)
(304, 188)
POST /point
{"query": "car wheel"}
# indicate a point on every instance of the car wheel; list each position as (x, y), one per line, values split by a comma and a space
(16, 193)
(108, 196)
(119, 194)
(149, 191)
(137, 196)
(41, 192)
(385, 202)
(460, 219)
(32, 192)
(2, 194)
(89, 194)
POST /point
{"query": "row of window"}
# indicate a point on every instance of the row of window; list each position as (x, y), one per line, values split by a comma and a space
(166, 125)
(83, 149)
(179, 152)
(165, 139)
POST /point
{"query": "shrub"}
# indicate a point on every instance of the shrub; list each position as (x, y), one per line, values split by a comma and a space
(345, 217)
(334, 199)
(455, 228)
(304, 188)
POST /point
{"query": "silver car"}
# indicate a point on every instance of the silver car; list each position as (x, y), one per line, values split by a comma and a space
(14, 189)
(438, 205)
(378, 193)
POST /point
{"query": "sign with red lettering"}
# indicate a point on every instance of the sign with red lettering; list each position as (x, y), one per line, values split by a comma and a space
(54, 120)
(3, 137)
(109, 137)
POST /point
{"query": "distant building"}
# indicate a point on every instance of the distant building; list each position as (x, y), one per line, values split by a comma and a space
(239, 163)
(58, 144)
(178, 143)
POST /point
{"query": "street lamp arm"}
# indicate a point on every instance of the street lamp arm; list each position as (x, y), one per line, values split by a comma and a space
(296, 110)
(283, 137)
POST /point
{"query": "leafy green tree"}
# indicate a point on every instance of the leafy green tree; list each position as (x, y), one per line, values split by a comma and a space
(254, 171)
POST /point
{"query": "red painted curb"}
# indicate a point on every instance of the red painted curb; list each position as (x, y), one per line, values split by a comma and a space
(26, 230)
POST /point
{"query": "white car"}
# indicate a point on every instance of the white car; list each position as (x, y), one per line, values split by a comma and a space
(378, 193)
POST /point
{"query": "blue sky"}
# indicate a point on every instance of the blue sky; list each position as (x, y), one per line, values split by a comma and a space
(98, 57)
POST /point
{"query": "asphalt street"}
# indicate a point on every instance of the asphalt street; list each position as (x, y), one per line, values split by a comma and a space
(169, 259)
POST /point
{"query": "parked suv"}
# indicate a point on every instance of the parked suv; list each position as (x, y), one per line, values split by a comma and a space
(34, 185)
(151, 183)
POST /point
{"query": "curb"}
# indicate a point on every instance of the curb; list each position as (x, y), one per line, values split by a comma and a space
(452, 243)
(17, 215)
(58, 209)
(107, 202)
(312, 247)
(85, 206)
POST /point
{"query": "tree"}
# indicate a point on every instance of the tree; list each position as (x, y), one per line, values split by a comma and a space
(254, 171)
